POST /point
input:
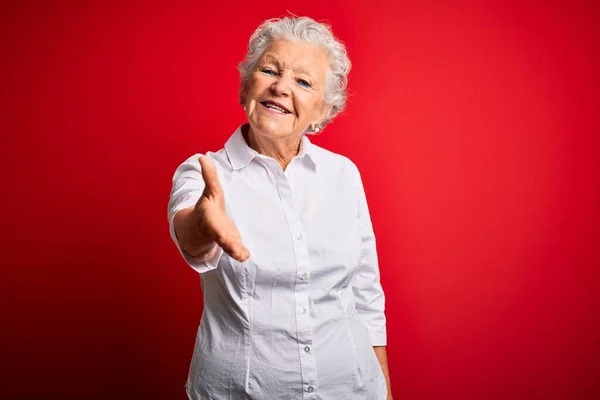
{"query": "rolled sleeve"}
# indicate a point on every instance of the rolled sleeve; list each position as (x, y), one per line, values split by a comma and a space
(368, 293)
(188, 186)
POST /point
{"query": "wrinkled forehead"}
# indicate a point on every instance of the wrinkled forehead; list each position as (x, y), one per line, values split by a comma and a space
(297, 56)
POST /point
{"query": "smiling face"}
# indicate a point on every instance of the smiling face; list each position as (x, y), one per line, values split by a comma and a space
(286, 90)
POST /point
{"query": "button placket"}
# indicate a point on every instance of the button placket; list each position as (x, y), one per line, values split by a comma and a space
(301, 294)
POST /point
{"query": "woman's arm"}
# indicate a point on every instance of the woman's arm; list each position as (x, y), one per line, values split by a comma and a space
(380, 352)
(198, 219)
(368, 293)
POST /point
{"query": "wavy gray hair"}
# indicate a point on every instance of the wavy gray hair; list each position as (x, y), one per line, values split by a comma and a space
(307, 30)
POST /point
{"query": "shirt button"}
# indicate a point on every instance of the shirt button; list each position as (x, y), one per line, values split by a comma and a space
(302, 310)
(299, 236)
(307, 349)
(303, 276)
(310, 389)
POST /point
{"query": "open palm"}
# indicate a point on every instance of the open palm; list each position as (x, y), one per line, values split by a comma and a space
(213, 221)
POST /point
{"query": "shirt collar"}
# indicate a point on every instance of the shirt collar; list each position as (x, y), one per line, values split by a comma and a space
(240, 154)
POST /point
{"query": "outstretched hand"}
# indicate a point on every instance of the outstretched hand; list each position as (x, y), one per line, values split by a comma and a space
(212, 216)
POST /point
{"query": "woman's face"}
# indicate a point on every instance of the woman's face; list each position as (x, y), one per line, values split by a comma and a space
(286, 91)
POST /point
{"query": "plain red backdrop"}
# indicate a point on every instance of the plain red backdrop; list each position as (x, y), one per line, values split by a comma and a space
(475, 125)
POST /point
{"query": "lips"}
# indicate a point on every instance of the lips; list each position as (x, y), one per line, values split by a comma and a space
(274, 106)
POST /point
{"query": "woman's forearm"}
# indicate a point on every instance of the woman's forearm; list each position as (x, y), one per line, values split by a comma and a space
(380, 352)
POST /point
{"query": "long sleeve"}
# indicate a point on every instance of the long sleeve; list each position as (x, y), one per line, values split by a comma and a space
(368, 293)
(188, 186)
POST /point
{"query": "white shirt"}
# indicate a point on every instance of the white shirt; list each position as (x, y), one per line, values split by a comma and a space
(300, 317)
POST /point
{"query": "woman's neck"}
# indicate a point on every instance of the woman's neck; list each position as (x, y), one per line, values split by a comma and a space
(281, 150)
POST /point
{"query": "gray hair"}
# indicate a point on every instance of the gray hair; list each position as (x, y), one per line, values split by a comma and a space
(307, 30)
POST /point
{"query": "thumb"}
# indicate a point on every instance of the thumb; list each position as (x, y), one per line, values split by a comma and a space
(239, 252)
(209, 174)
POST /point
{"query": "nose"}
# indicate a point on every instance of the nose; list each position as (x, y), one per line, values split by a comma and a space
(282, 85)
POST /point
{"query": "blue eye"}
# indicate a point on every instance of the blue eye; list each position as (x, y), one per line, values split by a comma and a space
(303, 83)
(268, 71)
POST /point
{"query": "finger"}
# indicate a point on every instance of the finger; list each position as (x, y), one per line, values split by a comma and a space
(235, 249)
(240, 252)
(230, 241)
(209, 174)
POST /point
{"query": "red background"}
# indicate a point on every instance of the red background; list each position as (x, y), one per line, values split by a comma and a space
(475, 125)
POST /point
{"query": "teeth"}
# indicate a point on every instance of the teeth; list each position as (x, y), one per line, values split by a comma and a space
(274, 107)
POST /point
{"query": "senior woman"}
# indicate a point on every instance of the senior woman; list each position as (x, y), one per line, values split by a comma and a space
(279, 231)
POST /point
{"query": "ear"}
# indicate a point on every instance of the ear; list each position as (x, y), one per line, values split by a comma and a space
(324, 113)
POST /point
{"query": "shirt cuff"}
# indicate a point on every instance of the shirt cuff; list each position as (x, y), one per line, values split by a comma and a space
(378, 336)
(206, 265)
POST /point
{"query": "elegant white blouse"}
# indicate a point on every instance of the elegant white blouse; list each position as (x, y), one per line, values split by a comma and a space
(300, 317)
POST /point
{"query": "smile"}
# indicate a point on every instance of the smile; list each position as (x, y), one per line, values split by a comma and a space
(274, 107)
